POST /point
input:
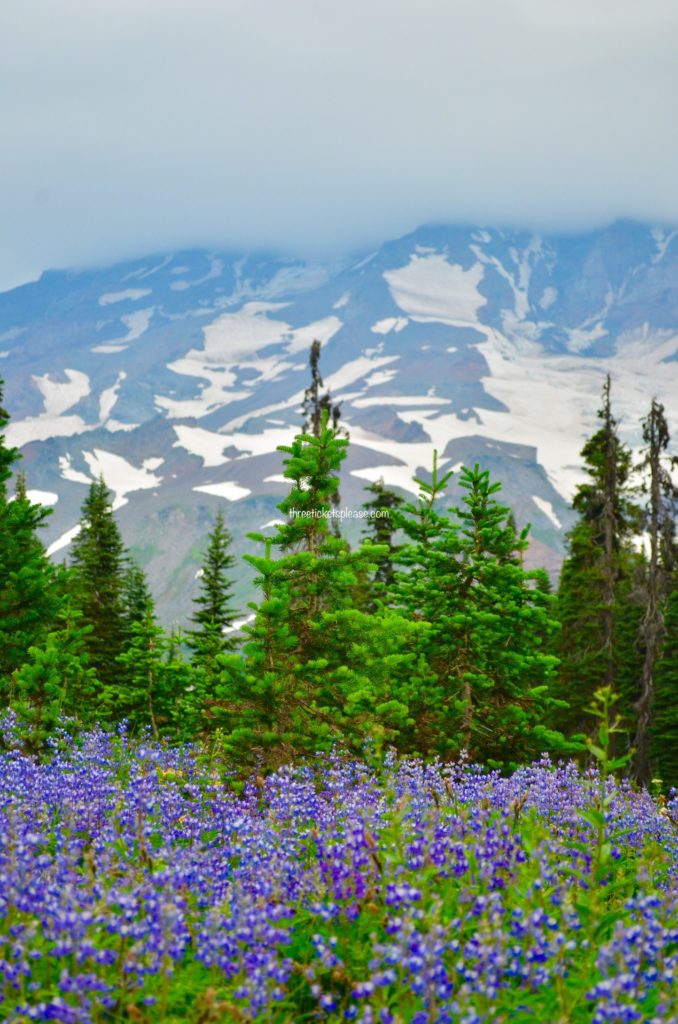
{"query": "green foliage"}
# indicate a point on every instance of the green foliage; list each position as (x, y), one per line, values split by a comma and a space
(489, 622)
(660, 510)
(214, 615)
(380, 528)
(143, 696)
(98, 582)
(29, 592)
(596, 572)
(304, 682)
(664, 718)
(38, 694)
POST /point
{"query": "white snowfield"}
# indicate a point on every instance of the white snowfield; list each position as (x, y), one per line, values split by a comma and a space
(431, 289)
(546, 401)
(225, 489)
(128, 295)
(233, 341)
(46, 498)
(547, 508)
(120, 475)
(58, 397)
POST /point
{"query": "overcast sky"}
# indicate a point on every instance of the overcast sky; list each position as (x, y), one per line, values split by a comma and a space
(131, 126)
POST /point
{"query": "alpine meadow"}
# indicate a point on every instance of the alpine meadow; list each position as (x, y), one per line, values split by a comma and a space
(417, 783)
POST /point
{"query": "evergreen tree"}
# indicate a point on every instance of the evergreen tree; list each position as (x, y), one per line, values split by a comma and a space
(305, 680)
(381, 528)
(136, 597)
(659, 520)
(54, 680)
(29, 594)
(98, 560)
(38, 694)
(598, 563)
(8, 456)
(214, 615)
(315, 407)
(144, 695)
(488, 620)
(663, 726)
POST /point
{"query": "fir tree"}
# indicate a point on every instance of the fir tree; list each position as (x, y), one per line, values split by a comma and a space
(145, 694)
(29, 594)
(316, 406)
(488, 620)
(38, 694)
(136, 596)
(299, 688)
(55, 680)
(98, 560)
(215, 615)
(598, 562)
(663, 727)
(381, 528)
(659, 519)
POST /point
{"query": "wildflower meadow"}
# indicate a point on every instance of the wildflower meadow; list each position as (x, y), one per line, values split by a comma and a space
(148, 883)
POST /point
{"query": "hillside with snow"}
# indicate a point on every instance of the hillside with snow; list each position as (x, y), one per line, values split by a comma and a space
(177, 377)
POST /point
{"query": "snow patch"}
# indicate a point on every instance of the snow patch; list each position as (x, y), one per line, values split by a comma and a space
(226, 489)
(130, 294)
(58, 396)
(68, 473)
(662, 239)
(405, 400)
(234, 340)
(356, 369)
(391, 323)
(204, 443)
(144, 272)
(579, 339)
(108, 398)
(216, 270)
(120, 475)
(547, 508)
(380, 377)
(46, 498)
(430, 288)
(63, 541)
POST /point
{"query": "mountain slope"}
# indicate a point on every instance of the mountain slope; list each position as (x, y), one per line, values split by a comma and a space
(176, 377)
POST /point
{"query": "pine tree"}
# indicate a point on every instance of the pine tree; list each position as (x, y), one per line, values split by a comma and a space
(98, 560)
(38, 694)
(315, 407)
(300, 687)
(54, 680)
(215, 615)
(488, 623)
(598, 563)
(381, 528)
(29, 594)
(663, 726)
(136, 596)
(662, 495)
(144, 695)
(8, 456)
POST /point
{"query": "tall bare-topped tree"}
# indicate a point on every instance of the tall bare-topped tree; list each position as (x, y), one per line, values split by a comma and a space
(316, 402)
(598, 565)
(662, 495)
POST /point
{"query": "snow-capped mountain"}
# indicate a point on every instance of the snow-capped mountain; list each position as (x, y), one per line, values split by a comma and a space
(177, 376)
